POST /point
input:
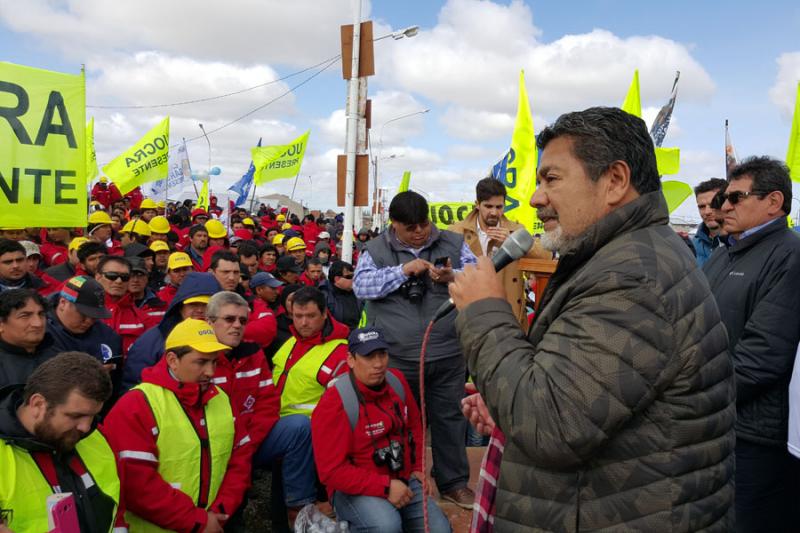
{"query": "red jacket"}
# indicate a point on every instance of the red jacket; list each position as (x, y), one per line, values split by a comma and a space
(129, 427)
(261, 326)
(334, 365)
(136, 197)
(53, 253)
(344, 457)
(245, 376)
(106, 195)
(126, 319)
(308, 282)
(167, 293)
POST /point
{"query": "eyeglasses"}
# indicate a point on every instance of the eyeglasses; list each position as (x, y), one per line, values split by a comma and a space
(114, 276)
(348, 276)
(737, 196)
(231, 319)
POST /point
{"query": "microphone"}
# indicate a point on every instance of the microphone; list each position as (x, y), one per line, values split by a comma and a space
(515, 246)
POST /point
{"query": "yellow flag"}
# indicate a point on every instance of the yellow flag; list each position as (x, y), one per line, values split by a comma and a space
(675, 193)
(793, 153)
(405, 182)
(519, 174)
(444, 214)
(91, 157)
(279, 161)
(633, 100)
(202, 200)
(42, 148)
(145, 161)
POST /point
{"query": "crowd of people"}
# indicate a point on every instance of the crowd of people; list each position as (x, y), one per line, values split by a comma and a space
(151, 361)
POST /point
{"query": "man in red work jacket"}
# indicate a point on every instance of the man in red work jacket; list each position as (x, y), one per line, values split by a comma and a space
(368, 443)
(243, 373)
(185, 458)
(114, 274)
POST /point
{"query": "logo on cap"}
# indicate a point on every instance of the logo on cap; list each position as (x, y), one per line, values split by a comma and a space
(368, 336)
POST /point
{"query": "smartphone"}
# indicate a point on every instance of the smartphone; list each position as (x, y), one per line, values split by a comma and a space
(115, 360)
(441, 262)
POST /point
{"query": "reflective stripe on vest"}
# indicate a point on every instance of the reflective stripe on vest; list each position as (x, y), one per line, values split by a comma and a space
(301, 390)
(24, 489)
(179, 448)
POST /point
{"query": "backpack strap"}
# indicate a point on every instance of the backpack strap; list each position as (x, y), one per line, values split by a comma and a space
(347, 392)
(394, 382)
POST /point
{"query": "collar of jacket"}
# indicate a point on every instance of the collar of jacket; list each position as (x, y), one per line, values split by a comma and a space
(18, 350)
(245, 349)
(189, 394)
(775, 226)
(650, 209)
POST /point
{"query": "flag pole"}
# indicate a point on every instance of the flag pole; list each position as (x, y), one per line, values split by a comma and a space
(194, 185)
(253, 197)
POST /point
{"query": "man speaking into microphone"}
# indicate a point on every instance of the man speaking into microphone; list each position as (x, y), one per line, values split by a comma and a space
(617, 408)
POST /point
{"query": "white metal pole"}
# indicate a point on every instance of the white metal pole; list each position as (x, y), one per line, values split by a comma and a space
(350, 143)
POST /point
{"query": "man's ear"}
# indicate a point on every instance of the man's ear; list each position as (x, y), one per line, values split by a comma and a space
(618, 186)
(775, 199)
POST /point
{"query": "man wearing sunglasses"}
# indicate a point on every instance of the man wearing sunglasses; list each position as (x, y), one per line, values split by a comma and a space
(756, 282)
(338, 291)
(114, 274)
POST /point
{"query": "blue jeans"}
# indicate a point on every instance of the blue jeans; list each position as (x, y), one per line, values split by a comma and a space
(290, 440)
(373, 514)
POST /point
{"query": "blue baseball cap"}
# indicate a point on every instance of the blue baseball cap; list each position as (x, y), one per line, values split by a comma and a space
(264, 278)
(364, 341)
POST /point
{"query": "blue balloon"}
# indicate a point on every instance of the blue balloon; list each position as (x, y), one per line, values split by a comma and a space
(215, 171)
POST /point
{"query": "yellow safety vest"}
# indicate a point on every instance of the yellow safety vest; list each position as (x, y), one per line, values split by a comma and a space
(24, 489)
(302, 391)
(179, 447)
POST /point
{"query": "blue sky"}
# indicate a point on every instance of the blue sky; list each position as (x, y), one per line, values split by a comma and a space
(739, 60)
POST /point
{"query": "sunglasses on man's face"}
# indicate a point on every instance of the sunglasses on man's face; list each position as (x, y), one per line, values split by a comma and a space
(735, 197)
(114, 276)
(230, 319)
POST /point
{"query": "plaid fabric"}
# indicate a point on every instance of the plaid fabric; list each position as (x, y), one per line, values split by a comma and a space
(486, 490)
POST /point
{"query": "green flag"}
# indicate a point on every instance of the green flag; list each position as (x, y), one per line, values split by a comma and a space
(405, 182)
(279, 161)
(793, 153)
(145, 161)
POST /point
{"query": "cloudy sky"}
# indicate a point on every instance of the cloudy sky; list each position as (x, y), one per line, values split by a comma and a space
(740, 62)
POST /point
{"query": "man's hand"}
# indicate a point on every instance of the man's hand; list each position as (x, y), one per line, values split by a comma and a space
(498, 234)
(215, 521)
(478, 415)
(443, 274)
(399, 494)
(416, 267)
(476, 283)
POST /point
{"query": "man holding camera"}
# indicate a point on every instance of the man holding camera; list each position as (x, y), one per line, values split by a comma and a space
(403, 275)
(372, 469)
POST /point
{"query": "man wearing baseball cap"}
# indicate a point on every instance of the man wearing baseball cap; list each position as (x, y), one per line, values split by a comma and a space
(265, 287)
(368, 443)
(64, 271)
(288, 270)
(178, 267)
(161, 253)
(176, 437)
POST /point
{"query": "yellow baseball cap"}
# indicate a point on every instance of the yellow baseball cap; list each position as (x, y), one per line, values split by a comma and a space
(159, 225)
(103, 179)
(147, 203)
(99, 217)
(201, 299)
(75, 243)
(179, 260)
(277, 239)
(196, 334)
(295, 243)
(136, 226)
(280, 218)
(249, 222)
(159, 246)
(215, 229)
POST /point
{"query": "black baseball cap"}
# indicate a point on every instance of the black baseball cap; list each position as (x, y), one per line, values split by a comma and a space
(288, 264)
(87, 295)
(265, 278)
(364, 341)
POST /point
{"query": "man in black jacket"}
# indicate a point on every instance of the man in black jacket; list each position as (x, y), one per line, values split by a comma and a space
(13, 268)
(338, 291)
(756, 282)
(24, 344)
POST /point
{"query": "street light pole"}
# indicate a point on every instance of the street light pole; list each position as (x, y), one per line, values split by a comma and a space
(350, 143)
(209, 159)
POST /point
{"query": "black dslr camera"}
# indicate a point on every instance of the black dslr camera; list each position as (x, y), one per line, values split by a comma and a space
(391, 456)
(413, 289)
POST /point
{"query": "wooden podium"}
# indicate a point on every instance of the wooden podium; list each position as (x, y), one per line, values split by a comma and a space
(541, 270)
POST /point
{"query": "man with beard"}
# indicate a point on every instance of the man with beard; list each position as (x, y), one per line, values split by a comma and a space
(486, 229)
(618, 406)
(707, 236)
(48, 445)
(198, 239)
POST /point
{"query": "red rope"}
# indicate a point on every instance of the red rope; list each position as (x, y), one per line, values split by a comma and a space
(424, 413)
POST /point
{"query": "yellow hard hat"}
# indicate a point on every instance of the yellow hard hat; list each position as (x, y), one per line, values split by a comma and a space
(179, 260)
(103, 179)
(75, 243)
(196, 334)
(295, 243)
(99, 217)
(94, 203)
(159, 225)
(161, 204)
(249, 222)
(277, 240)
(286, 226)
(280, 218)
(136, 226)
(159, 246)
(215, 229)
(147, 203)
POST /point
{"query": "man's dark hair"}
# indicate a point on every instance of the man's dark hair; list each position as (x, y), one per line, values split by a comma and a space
(90, 248)
(268, 248)
(307, 295)
(222, 255)
(8, 246)
(768, 175)
(56, 378)
(313, 261)
(408, 207)
(308, 218)
(112, 259)
(16, 299)
(603, 135)
(713, 184)
(337, 269)
(180, 351)
(247, 249)
(321, 220)
(196, 228)
(287, 291)
(489, 188)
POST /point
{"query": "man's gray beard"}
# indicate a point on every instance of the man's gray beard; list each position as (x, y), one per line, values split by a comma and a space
(556, 241)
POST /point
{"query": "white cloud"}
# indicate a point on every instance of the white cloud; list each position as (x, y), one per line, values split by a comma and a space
(477, 125)
(471, 152)
(784, 91)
